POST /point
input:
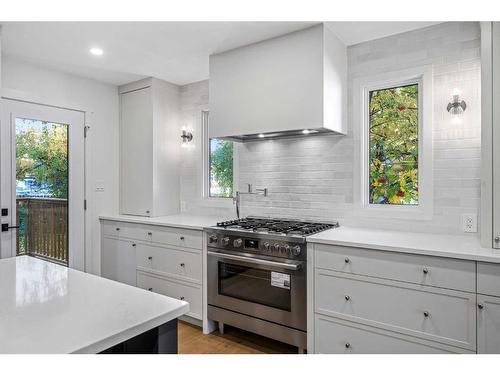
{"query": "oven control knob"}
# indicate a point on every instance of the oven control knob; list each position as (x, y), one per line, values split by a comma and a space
(212, 239)
(285, 249)
(225, 241)
(267, 246)
(276, 247)
(238, 242)
(296, 250)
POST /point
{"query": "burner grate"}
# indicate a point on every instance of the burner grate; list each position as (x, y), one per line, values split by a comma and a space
(277, 226)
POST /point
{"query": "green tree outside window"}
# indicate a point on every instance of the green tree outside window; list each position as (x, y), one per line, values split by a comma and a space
(393, 145)
(221, 168)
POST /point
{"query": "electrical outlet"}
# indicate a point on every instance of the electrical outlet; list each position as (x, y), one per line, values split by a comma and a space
(99, 186)
(469, 223)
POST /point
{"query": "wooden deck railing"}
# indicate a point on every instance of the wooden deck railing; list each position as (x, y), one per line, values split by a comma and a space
(43, 228)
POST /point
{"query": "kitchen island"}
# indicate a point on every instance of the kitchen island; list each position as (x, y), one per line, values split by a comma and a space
(48, 308)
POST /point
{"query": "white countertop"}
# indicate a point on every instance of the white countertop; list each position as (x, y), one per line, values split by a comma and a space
(187, 221)
(450, 246)
(47, 308)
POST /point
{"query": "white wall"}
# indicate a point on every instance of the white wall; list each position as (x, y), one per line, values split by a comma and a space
(55, 88)
(313, 177)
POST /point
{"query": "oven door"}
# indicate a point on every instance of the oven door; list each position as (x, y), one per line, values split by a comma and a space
(266, 288)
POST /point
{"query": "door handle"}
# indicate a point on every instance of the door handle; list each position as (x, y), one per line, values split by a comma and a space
(6, 227)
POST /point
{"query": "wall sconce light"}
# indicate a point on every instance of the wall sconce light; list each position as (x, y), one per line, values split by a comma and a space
(456, 106)
(186, 136)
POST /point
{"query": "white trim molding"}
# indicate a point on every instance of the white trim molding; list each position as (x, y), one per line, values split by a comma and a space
(486, 211)
(362, 86)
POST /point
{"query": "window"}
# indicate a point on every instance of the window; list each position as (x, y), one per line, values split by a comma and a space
(394, 114)
(221, 168)
(219, 165)
(393, 145)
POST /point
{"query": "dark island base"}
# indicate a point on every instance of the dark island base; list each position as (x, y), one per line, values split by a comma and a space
(159, 340)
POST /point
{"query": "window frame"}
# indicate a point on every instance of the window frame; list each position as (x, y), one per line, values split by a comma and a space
(363, 86)
(217, 201)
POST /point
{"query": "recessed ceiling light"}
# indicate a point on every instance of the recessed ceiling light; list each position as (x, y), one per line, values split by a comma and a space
(305, 131)
(261, 135)
(96, 51)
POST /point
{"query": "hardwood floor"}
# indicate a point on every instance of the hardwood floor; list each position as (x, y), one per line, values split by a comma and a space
(191, 340)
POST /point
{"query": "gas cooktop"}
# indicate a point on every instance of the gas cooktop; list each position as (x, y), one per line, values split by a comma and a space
(277, 226)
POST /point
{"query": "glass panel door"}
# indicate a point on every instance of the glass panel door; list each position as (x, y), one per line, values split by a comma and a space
(42, 189)
(42, 182)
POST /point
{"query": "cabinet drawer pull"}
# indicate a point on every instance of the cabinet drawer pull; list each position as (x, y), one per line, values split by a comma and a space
(347, 298)
(480, 306)
(150, 258)
(150, 233)
(134, 245)
(181, 298)
(150, 289)
(347, 260)
(426, 271)
(347, 345)
(117, 228)
(182, 264)
(182, 238)
(426, 314)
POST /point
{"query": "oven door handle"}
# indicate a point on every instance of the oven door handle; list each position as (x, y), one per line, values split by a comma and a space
(289, 266)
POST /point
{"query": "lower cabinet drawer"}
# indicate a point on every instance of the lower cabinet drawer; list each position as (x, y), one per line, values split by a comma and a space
(332, 336)
(411, 268)
(184, 291)
(126, 230)
(441, 315)
(177, 263)
(178, 237)
(488, 275)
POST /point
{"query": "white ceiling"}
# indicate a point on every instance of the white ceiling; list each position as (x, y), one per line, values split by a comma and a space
(174, 51)
(357, 32)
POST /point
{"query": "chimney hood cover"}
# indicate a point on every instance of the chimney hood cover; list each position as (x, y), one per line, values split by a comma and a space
(280, 86)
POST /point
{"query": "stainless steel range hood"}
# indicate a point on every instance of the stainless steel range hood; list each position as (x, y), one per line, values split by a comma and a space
(279, 135)
(290, 86)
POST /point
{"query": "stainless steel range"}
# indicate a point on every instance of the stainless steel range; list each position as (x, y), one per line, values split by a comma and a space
(257, 276)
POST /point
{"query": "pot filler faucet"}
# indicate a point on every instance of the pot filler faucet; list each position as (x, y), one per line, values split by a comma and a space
(237, 197)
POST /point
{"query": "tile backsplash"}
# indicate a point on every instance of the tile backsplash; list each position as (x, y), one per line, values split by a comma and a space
(313, 177)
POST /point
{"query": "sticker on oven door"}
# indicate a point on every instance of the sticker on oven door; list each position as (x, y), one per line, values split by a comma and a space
(280, 280)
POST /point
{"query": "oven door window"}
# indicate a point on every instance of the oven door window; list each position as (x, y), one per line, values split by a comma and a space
(260, 286)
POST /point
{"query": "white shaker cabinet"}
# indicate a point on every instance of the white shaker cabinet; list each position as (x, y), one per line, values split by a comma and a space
(136, 136)
(488, 308)
(165, 260)
(371, 301)
(488, 324)
(149, 148)
(118, 260)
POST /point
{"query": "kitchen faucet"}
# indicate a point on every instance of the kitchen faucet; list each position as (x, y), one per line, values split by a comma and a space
(237, 197)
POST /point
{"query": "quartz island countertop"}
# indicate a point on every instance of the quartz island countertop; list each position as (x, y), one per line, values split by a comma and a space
(48, 308)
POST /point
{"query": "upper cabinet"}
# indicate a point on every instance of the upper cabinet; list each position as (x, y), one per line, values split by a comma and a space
(149, 148)
(280, 86)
